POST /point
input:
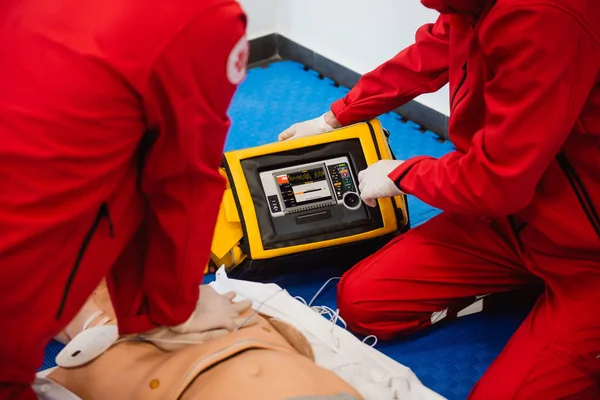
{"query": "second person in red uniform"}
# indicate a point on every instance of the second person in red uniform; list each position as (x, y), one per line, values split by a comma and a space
(520, 195)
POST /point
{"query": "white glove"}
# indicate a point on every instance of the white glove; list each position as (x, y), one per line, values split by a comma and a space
(214, 311)
(374, 182)
(311, 127)
(215, 315)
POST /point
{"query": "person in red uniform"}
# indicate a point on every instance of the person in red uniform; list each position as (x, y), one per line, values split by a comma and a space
(112, 128)
(520, 195)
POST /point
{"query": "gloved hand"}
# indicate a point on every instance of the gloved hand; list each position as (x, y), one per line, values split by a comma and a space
(214, 311)
(215, 315)
(374, 182)
(309, 128)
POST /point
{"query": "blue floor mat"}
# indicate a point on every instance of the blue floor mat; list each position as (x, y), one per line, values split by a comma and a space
(449, 358)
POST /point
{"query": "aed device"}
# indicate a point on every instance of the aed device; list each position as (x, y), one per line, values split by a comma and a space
(296, 204)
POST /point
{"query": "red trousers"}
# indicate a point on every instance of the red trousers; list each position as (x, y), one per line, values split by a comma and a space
(435, 270)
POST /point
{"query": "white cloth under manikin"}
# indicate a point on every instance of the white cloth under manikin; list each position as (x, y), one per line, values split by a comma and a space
(373, 374)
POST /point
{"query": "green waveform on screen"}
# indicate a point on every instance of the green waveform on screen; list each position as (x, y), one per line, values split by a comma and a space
(307, 176)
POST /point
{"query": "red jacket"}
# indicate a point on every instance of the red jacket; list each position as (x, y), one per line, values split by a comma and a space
(113, 117)
(525, 114)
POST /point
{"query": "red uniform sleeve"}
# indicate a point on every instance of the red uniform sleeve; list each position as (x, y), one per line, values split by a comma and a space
(186, 101)
(540, 82)
(418, 69)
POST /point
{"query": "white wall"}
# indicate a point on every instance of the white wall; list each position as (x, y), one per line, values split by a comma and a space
(358, 34)
(262, 16)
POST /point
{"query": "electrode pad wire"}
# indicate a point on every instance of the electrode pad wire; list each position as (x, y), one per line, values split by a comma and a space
(92, 317)
(334, 315)
(374, 340)
(321, 289)
(257, 309)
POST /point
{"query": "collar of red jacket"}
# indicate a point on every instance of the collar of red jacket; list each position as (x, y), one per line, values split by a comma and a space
(469, 7)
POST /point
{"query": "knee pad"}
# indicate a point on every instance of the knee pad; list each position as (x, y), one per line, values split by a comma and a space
(251, 363)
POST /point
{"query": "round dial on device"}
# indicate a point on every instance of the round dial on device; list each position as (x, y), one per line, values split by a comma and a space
(351, 200)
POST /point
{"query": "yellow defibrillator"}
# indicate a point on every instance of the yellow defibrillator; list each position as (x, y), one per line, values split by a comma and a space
(296, 204)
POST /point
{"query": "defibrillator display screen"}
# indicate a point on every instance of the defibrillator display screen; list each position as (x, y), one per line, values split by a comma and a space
(304, 187)
(309, 194)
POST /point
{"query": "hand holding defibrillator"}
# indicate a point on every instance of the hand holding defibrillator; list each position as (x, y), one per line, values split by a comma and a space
(374, 182)
(323, 124)
(215, 315)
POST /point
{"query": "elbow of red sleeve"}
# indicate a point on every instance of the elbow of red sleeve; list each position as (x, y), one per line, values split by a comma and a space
(479, 195)
(508, 200)
(498, 198)
(488, 201)
(503, 192)
(500, 206)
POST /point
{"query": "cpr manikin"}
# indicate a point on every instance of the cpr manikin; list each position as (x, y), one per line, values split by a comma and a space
(267, 359)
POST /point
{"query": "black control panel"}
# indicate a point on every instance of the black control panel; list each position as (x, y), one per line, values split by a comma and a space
(274, 203)
(341, 179)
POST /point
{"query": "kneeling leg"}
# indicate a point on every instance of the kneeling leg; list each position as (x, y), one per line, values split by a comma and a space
(431, 273)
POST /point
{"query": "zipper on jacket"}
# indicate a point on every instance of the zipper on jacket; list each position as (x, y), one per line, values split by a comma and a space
(461, 99)
(102, 213)
(460, 85)
(580, 192)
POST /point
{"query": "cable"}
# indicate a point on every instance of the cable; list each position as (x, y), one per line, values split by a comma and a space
(301, 300)
(257, 309)
(92, 317)
(333, 314)
(370, 336)
(321, 289)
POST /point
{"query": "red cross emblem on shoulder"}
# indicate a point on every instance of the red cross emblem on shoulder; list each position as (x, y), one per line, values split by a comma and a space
(237, 62)
(242, 60)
